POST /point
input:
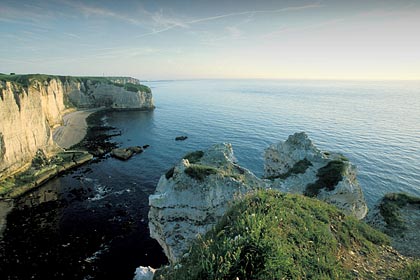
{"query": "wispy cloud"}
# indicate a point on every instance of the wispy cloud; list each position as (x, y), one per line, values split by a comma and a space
(188, 23)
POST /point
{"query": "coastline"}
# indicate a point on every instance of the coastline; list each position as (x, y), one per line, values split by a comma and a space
(73, 131)
(74, 128)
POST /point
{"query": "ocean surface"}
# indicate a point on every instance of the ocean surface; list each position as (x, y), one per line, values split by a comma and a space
(92, 222)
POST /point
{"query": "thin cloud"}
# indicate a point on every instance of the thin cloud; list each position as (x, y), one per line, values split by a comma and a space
(187, 24)
(295, 8)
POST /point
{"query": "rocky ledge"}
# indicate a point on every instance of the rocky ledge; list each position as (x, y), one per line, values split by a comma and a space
(398, 215)
(193, 195)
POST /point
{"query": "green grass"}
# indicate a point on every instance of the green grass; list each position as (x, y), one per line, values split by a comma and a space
(136, 88)
(194, 157)
(200, 172)
(298, 168)
(409, 272)
(391, 205)
(328, 177)
(25, 80)
(270, 235)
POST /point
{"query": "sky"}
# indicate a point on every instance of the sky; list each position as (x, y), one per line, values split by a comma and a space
(168, 39)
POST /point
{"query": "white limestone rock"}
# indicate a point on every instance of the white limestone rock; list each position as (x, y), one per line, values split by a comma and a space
(184, 207)
(281, 160)
(144, 273)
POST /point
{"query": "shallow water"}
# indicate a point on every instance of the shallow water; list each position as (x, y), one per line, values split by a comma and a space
(93, 222)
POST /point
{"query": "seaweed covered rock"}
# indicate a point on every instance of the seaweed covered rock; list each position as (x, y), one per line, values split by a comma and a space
(398, 215)
(191, 197)
(297, 166)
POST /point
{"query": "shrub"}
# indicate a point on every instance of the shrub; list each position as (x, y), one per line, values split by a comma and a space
(298, 168)
(194, 157)
(328, 178)
(199, 172)
(391, 205)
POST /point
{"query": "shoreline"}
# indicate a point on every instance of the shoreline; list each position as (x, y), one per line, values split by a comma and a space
(74, 128)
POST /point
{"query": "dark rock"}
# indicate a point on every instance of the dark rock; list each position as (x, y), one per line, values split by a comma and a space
(136, 149)
(145, 147)
(181, 138)
(121, 153)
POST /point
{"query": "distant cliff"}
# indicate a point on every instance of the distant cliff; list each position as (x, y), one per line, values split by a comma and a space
(31, 105)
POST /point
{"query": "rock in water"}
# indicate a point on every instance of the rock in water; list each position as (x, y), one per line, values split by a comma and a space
(181, 138)
(121, 153)
(144, 273)
(193, 195)
(126, 153)
(398, 215)
(191, 198)
(297, 166)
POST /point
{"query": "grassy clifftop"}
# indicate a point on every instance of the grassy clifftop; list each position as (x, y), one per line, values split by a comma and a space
(271, 235)
(26, 79)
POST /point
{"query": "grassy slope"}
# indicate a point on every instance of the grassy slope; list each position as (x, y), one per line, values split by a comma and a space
(25, 80)
(270, 235)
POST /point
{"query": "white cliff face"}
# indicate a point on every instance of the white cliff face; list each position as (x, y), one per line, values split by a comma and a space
(184, 207)
(93, 94)
(345, 192)
(28, 114)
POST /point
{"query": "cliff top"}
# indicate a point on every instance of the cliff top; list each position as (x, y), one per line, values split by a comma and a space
(272, 235)
(24, 80)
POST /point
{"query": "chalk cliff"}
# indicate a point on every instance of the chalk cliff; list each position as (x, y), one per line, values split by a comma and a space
(31, 105)
(191, 197)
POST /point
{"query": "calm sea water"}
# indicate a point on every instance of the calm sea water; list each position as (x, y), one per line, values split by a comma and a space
(96, 218)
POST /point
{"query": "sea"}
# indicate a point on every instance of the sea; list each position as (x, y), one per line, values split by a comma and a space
(91, 223)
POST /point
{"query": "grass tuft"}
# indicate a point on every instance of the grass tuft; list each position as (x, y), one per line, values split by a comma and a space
(194, 157)
(391, 205)
(298, 168)
(328, 178)
(200, 172)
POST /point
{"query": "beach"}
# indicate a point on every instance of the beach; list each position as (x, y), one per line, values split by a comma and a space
(74, 128)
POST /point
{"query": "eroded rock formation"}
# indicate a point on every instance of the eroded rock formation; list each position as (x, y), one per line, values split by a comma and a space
(192, 196)
(297, 166)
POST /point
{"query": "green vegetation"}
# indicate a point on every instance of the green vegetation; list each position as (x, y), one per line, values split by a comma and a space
(271, 235)
(391, 205)
(25, 80)
(298, 168)
(328, 177)
(199, 172)
(136, 88)
(170, 173)
(194, 157)
(410, 271)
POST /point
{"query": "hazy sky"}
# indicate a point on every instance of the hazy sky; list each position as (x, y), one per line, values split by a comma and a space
(175, 39)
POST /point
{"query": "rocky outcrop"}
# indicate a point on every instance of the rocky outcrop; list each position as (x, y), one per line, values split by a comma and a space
(297, 166)
(126, 153)
(191, 197)
(398, 215)
(32, 105)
